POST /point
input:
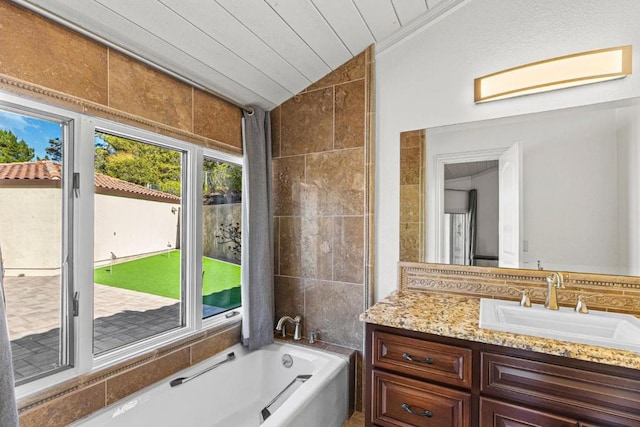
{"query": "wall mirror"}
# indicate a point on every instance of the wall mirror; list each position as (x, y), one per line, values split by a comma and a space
(556, 190)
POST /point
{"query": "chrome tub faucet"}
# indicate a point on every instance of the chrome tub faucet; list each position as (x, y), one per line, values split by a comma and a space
(297, 334)
(555, 281)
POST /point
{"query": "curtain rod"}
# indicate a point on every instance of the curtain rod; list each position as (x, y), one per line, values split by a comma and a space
(75, 27)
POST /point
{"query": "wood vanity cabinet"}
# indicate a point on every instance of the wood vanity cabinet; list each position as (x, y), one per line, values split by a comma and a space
(416, 379)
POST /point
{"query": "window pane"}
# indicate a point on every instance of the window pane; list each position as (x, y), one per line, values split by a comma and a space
(221, 236)
(137, 241)
(31, 242)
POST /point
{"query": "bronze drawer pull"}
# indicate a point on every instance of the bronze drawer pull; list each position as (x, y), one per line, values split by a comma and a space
(426, 412)
(427, 360)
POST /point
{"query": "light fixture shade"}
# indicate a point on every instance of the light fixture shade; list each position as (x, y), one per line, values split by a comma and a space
(557, 73)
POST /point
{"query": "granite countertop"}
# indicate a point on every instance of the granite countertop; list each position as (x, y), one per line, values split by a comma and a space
(457, 316)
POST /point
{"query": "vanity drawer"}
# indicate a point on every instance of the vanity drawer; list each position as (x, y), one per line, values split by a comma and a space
(404, 402)
(500, 414)
(611, 399)
(432, 361)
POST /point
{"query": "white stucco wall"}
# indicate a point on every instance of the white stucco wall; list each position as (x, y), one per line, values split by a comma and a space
(30, 230)
(129, 227)
(427, 81)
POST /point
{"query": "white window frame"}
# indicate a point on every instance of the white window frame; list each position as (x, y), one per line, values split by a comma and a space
(226, 317)
(78, 239)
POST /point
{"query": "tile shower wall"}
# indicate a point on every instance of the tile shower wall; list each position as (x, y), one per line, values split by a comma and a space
(320, 170)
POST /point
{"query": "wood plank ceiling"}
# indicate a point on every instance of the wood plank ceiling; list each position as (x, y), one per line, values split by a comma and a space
(254, 52)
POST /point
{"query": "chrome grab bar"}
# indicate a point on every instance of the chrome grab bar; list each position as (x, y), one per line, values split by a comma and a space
(265, 411)
(182, 380)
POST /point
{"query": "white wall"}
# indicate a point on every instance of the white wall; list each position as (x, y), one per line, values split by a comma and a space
(569, 200)
(570, 178)
(487, 208)
(129, 227)
(427, 81)
(30, 231)
(487, 215)
(628, 139)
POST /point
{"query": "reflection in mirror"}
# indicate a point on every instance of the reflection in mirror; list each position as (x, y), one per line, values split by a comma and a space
(471, 213)
(568, 190)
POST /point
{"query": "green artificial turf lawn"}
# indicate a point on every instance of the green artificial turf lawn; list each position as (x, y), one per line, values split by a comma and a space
(160, 275)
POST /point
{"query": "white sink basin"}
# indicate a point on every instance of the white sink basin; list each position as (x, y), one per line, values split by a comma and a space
(614, 330)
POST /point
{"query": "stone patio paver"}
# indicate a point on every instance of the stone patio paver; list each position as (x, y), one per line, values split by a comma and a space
(121, 317)
(33, 303)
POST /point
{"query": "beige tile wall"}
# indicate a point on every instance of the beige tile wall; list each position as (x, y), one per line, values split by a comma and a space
(323, 172)
(81, 396)
(43, 60)
(320, 167)
(323, 209)
(412, 193)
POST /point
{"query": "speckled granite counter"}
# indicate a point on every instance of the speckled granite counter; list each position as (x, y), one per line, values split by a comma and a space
(457, 316)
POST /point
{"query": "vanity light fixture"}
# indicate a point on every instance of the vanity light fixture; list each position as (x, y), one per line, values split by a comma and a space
(556, 73)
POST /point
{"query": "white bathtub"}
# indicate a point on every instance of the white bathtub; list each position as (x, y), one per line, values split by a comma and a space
(234, 393)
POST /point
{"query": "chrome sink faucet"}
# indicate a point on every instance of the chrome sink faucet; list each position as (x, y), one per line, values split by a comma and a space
(297, 335)
(555, 281)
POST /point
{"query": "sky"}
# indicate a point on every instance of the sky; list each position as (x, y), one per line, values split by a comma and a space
(35, 132)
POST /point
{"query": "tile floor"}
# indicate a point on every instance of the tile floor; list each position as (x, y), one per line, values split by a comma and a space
(356, 420)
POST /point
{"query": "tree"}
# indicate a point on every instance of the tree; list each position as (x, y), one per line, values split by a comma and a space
(138, 162)
(222, 178)
(54, 150)
(230, 234)
(12, 150)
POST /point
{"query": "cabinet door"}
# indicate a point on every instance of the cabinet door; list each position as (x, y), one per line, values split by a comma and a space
(403, 402)
(499, 414)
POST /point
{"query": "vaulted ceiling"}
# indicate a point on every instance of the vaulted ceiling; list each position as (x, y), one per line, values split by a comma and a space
(258, 52)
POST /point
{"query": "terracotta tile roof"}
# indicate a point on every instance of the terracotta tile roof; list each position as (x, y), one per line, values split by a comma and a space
(110, 183)
(41, 170)
(44, 170)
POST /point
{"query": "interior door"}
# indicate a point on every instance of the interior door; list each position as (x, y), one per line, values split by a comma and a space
(510, 184)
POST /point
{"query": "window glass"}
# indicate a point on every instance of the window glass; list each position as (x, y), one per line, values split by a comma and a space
(221, 236)
(132, 240)
(138, 280)
(32, 206)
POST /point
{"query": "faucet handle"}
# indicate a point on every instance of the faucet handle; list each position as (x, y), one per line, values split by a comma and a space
(581, 304)
(313, 336)
(525, 300)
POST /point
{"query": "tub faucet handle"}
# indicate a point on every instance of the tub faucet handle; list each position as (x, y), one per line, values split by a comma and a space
(297, 331)
(313, 336)
(297, 334)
